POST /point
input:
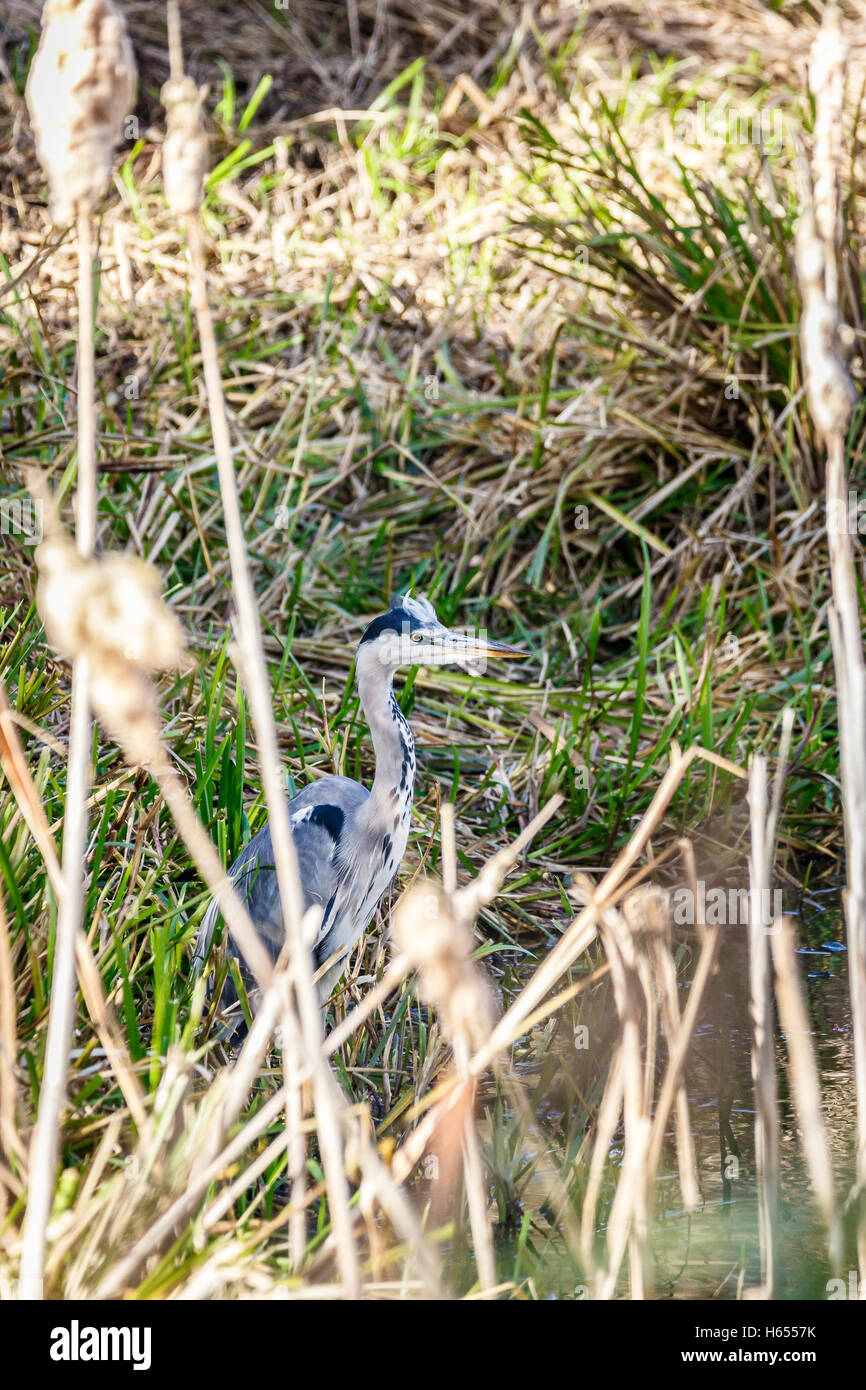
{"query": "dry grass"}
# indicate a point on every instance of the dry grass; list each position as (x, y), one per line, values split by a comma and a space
(511, 332)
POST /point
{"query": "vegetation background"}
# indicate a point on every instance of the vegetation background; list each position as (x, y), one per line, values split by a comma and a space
(507, 310)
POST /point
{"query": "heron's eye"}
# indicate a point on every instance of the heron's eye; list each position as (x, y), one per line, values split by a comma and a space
(416, 637)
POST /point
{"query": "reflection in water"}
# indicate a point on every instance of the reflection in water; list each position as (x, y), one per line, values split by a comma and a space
(712, 1252)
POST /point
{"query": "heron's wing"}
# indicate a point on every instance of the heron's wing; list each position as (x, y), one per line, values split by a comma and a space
(344, 792)
(322, 818)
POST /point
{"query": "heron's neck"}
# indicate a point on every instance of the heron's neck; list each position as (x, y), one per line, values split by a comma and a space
(393, 743)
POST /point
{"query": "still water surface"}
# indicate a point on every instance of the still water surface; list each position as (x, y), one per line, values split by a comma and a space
(712, 1252)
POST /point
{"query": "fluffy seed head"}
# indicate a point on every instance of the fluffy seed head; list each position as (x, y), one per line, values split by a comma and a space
(125, 703)
(81, 86)
(184, 151)
(438, 942)
(831, 392)
(108, 609)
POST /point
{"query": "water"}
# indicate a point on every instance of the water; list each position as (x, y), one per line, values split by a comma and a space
(712, 1252)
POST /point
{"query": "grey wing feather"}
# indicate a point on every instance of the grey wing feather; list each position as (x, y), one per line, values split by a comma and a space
(318, 817)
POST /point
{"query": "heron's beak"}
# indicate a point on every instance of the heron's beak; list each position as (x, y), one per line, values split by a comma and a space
(470, 649)
(503, 652)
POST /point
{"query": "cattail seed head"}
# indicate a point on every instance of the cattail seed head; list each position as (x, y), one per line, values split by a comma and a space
(823, 336)
(438, 942)
(827, 82)
(125, 703)
(81, 86)
(647, 911)
(831, 392)
(109, 608)
(184, 151)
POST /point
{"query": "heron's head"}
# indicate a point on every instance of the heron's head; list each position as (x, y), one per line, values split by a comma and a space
(410, 634)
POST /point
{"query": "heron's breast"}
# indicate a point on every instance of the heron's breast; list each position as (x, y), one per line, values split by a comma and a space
(388, 849)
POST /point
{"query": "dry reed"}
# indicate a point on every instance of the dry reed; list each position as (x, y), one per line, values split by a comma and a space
(81, 86)
(186, 158)
(831, 393)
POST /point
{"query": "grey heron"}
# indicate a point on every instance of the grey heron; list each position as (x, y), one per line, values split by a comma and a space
(350, 840)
